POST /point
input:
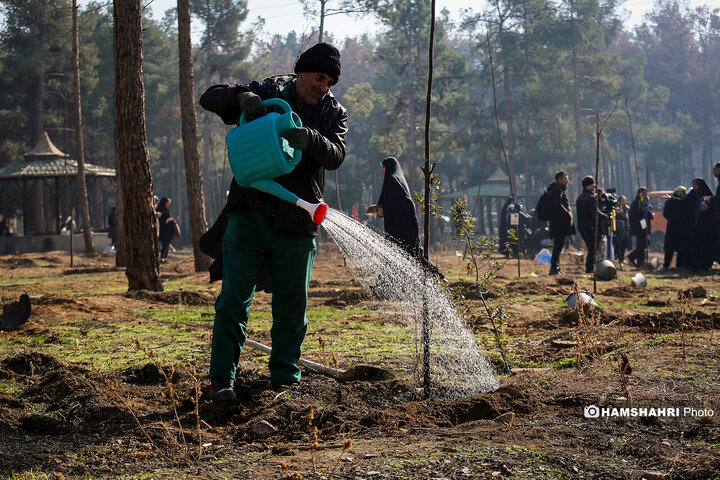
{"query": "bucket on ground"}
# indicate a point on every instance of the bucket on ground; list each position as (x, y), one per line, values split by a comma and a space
(606, 270)
(583, 296)
(639, 281)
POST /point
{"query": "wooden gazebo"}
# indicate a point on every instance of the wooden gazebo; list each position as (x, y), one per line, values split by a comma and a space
(43, 189)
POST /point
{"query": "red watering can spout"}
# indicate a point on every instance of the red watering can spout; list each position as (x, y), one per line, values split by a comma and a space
(318, 211)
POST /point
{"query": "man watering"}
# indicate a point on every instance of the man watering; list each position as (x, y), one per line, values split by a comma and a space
(262, 229)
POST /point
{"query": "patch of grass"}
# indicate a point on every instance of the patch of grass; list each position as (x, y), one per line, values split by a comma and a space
(178, 314)
(569, 362)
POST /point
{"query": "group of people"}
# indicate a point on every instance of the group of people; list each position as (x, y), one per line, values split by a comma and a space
(692, 235)
(608, 224)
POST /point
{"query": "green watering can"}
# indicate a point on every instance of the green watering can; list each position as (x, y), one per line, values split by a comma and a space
(258, 153)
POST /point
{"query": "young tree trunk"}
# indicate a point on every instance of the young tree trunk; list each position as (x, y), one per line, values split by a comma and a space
(82, 186)
(131, 148)
(193, 172)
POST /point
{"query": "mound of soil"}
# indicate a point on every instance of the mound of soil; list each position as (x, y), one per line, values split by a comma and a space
(18, 261)
(150, 374)
(347, 297)
(91, 269)
(537, 288)
(31, 363)
(51, 259)
(173, 298)
(673, 321)
(623, 292)
(570, 317)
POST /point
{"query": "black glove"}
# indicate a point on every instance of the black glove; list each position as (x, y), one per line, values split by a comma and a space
(251, 105)
(298, 137)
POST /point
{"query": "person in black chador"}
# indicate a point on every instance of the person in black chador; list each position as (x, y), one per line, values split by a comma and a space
(714, 203)
(587, 211)
(641, 213)
(701, 240)
(167, 229)
(561, 218)
(672, 211)
(397, 208)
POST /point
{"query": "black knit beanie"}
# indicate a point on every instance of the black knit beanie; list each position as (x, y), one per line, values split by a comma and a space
(321, 57)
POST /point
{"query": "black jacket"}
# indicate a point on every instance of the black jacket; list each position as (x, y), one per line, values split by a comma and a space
(327, 121)
(585, 204)
(561, 217)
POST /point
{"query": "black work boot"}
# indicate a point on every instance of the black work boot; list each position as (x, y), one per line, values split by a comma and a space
(221, 390)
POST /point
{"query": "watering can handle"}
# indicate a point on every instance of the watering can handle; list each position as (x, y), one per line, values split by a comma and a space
(278, 102)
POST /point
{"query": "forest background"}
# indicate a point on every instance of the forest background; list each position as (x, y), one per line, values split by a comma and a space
(558, 65)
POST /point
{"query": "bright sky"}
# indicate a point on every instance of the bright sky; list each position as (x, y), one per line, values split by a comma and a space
(282, 16)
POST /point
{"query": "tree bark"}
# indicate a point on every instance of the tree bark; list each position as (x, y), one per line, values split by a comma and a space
(576, 97)
(131, 149)
(82, 186)
(193, 172)
(507, 88)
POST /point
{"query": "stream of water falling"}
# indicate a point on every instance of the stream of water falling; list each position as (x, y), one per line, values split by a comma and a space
(457, 365)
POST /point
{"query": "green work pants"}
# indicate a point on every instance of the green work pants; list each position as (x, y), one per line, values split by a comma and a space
(250, 242)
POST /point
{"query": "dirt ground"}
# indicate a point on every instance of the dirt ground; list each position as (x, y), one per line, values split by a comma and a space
(79, 399)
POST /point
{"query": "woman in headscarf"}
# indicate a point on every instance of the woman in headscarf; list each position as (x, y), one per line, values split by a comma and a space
(397, 208)
(167, 227)
(701, 241)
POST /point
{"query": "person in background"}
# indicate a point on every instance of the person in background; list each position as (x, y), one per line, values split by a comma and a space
(714, 202)
(264, 230)
(397, 208)
(702, 254)
(641, 213)
(588, 215)
(112, 225)
(167, 229)
(621, 239)
(672, 211)
(561, 219)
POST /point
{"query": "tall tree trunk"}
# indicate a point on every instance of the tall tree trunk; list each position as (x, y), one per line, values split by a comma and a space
(82, 186)
(193, 172)
(120, 244)
(576, 97)
(507, 88)
(131, 148)
(526, 154)
(207, 160)
(707, 145)
(36, 112)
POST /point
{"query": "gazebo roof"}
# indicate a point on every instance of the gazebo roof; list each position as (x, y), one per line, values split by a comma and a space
(496, 185)
(47, 161)
(49, 168)
(45, 148)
